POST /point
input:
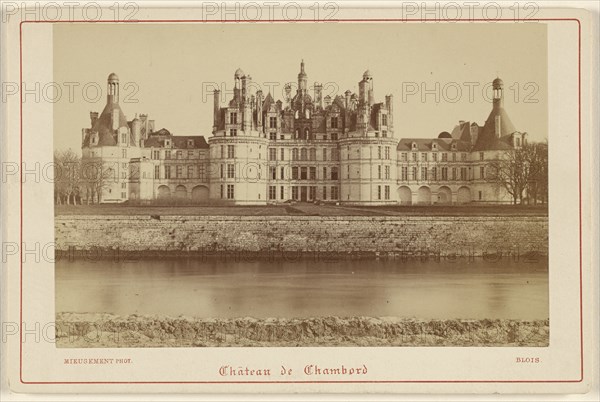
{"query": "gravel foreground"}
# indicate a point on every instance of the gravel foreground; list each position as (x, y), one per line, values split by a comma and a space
(80, 330)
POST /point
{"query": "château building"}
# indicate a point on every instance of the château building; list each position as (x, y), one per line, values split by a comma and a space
(342, 149)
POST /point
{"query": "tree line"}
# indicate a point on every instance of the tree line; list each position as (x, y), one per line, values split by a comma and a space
(523, 173)
(76, 182)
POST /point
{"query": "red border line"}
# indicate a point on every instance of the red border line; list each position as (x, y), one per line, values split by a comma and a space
(581, 339)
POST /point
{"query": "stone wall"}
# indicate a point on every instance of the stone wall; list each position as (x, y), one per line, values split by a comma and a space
(356, 235)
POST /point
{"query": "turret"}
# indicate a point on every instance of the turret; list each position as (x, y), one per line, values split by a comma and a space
(498, 87)
(302, 78)
(288, 95)
(112, 88)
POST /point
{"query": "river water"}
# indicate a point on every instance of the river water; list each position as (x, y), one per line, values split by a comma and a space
(398, 288)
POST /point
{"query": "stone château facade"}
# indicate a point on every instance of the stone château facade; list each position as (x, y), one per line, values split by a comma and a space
(262, 150)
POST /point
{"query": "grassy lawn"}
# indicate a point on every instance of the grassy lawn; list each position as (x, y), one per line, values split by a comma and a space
(304, 209)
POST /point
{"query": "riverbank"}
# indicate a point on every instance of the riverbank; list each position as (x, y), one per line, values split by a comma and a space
(79, 330)
(363, 236)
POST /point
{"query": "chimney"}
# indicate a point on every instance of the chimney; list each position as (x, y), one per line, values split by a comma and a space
(347, 93)
(288, 95)
(327, 100)
(259, 111)
(93, 118)
(115, 118)
(389, 104)
(319, 95)
(216, 104)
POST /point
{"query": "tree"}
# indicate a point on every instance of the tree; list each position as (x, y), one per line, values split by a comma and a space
(97, 176)
(522, 172)
(509, 171)
(67, 176)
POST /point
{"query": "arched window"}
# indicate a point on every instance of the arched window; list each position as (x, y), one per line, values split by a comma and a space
(306, 133)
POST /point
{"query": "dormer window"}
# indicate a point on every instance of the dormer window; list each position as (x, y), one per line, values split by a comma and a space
(232, 118)
(454, 147)
(190, 143)
(434, 146)
(168, 143)
(414, 145)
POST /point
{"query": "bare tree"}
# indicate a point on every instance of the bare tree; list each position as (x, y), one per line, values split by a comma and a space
(536, 155)
(97, 176)
(67, 176)
(510, 171)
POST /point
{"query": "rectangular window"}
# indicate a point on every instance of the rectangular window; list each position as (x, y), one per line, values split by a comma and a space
(379, 172)
(387, 152)
(155, 154)
(272, 154)
(190, 172)
(434, 175)
(387, 192)
(404, 173)
(378, 192)
(312, 193)
(312, 154)
(444, 173)
(230, 151)
(387, 172)
(222, 171)
(167, 172)
(404, 157)
(454, 176)
(233, 132)
(481, 156)
(282, 154)
(384, 119)
(378, 152)
(482, 172)
(334, 136)
(272, 122)
(334, 173)
(454, 157)
(294, 192)
(463, 173)
(221, 191)
(282, 173)
(230, 193)
(334, 193)
(157, 172)
(124, 153)
(179, 154)
(123, 185)
(123, 195)
(294, 172)
(424, 156)
(303, 173)
(232, 118)
(423, 173)
(201, 172)
(480, 196)
(313, 173)
(295, 154)
(281, 192)
(335, 154)
(123, 138)
(230, 170)
(334, 122)
(272, 192)
(414, 156)
(273, 173)
(444, 157)
(273, 136)
(324, 154)
(463, 157)
(222, 151)
(384, 133)
(414, 173)
(435, 157)
(179, 171)
(324, 173)
(324, 195)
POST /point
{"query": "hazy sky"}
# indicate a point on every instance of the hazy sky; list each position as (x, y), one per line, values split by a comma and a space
(172, 65)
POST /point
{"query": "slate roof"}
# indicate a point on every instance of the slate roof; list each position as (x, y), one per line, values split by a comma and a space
(488, 140)
(426, 144)
(106, 135)
(157, 140)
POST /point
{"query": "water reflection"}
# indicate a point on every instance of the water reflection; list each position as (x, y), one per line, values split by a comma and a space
(428, 290)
